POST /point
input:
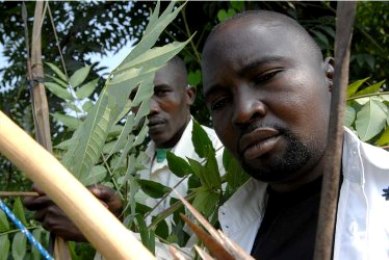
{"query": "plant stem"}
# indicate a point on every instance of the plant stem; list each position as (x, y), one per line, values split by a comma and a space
(18, 194)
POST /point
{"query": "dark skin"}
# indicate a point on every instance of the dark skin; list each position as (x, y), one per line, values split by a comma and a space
(269, 94)
(169, 115)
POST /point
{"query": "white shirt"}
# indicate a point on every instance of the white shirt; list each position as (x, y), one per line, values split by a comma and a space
(362, 226)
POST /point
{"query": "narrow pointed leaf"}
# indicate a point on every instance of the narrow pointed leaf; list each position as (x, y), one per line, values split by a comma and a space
(58, 91)
(201, 142)
(371, 89)
(69, 121)
(353, 87)
(79, 76)
(57, 71)
(87, 89)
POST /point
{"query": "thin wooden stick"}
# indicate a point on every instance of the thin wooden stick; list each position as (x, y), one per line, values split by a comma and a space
(18, 194)
(330, 187)
(100, 227)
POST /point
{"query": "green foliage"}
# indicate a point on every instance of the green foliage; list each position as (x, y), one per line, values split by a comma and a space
(13, 243)
(367, 111)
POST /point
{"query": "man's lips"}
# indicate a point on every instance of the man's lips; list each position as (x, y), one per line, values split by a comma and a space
(154, 123)
(258, 142)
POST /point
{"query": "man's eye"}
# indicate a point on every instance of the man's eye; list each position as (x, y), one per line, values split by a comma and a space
(160, 92)
(265, 77)
(219, 104)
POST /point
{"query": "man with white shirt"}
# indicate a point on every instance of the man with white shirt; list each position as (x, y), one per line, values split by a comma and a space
(170, 129)
(268, 89)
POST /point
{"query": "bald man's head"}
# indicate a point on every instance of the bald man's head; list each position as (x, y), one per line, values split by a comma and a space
(269, 19)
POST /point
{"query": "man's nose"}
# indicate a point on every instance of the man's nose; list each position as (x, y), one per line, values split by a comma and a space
(154, 106)
(248, 107)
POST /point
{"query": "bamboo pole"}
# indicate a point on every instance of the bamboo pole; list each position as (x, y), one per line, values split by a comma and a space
(102, 229)
(345, 14)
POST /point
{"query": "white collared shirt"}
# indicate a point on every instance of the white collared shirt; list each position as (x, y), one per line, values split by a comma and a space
(362, 227)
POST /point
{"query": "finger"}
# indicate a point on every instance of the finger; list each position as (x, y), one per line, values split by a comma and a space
(37, 203)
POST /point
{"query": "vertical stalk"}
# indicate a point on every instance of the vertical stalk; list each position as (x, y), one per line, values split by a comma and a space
(345, 14)
(40, 105)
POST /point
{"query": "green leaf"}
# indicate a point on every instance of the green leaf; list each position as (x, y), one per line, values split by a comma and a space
(353, 87)
(201, 142)
(19, 246)
(371, 120)
(96, 175)
(79, 76)
(206, 201)
(147, 235)
(18, 210)
(69, 121)
(211, 173)
(384, 138)
(4, 246)
(235, 175)
(371, 89)
(194, 78)
(178, 165)
(152, 34)
(58, 91)
(59, 81)
(237, 5)
(88, 140)
(87, 89)
(37, 235)
(223, 15)
(198, 170)
(57, 71)
(349, 116)
(128, 127)
(153, 189)
(4, 224)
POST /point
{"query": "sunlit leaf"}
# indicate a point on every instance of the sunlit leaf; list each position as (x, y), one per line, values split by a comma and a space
(57, 71)
(79, 76)
(67, 120)
(87, 89)
(371, 120)
(58, 91)
(371, 89)
(384, 138)
(349, 116)
(353, 87)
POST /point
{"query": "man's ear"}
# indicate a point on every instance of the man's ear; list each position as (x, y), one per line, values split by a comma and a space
(190, 94)
(329, 69)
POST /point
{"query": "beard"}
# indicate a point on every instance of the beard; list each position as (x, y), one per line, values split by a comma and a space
(281, 167)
